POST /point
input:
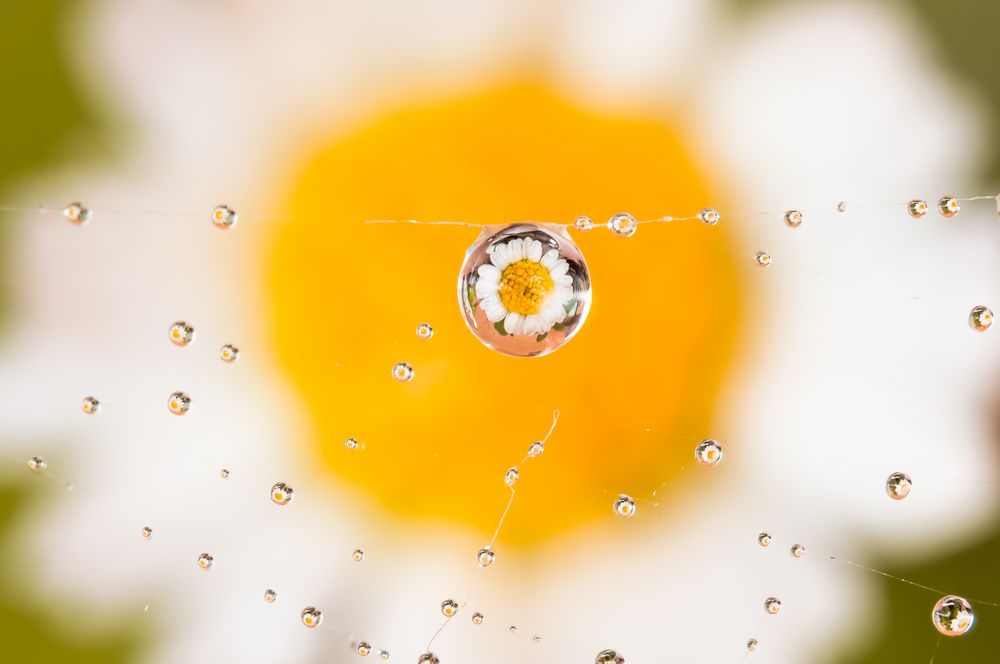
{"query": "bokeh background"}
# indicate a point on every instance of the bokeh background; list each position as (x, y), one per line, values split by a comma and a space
(847, 359)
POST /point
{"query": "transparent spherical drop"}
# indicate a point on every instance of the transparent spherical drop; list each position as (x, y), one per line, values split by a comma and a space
(536, 449)
(623, 224)
(229, 353)
(708, 453)
(270, 596)
(793, 218)
(358, 555)
(980, 318)
(478, 618)
(512, 629)
(383, 655)
(772, 605)
(764, 539)
(953, 615)
(625, 506)
(351, 443)
(224, 217)
(449, 607)
(752, 645)
(709, 216)
(949, 206)
(402, 372)
(898, 486)
(609, 657)
(224, 474)
(425, 331)
(486, 556)
(281, 493)
(311, 616)
(524, 289)
(917, 208)
(428, 658)
(37, 464)
(91, 405)
(77, 214)
(511, 476)
(205, 561)
(583, 224)
(798, 550)
(181, 333)
(146, 532)
(536, 639)
(842, 206)
(762, 258)
(178, 403)
(364, 648)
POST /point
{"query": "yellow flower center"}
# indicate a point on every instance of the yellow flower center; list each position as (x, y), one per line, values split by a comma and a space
(524, 285)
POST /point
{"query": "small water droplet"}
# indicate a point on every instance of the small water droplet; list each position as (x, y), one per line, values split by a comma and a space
(917, 208)
(146, 532)
(364, 648)
(798, 550)
(793, 218)
(77, 214)
(351, 443)
(37, 464)
(842, 206)
(772, 605)
(402, 372)
(486, 556)
(224, 217)
(281, 493)
(764, 539)
(311, 616)
(752, 645)
(91, 405)
(178, 403)
(708, 453)
(536, 639)
(205, 561)
(425, 331)
(762, 258)
(224, 474)
(428, 658)
(270, 596)
(625, 506)
(980, 318)
(511, 477)
(536, 449)
(583, 224)
(229, 353)
(449, 607)
(181, 333)
(609, 657)
(623, 224)
(512, 629)
(953, 615)
(478, 618)
(709, 216)
(383, 655)
(898, 486)
(358, 555)
(949, 206)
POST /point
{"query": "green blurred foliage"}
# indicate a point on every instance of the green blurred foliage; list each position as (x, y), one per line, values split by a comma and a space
(41, 114)
(33, 632)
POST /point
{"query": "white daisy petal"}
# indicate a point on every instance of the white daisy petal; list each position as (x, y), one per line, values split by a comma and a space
(493, 308)
(500, 256)
(549, 259)
(489, 273)
(532, 249)
(559, 269)
(513, 323)
(516, 249)
(563, 280)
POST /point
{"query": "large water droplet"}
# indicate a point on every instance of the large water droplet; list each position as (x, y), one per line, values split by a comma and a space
(953, 615)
